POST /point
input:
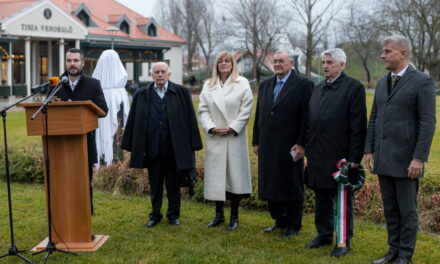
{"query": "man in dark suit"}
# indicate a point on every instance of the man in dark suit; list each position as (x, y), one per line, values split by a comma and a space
(279, 139)
(338, 125)
(162, 135)
(82, 88)
(399, 137)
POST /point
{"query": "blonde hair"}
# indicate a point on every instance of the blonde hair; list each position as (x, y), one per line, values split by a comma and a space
(215, 74)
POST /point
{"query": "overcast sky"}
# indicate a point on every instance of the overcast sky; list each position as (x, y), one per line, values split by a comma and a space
(143, 7)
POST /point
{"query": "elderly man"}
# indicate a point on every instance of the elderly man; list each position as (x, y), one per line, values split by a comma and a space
(399, 137)
(81, 88)
(162, 135)
(279, 139)
(338, 125)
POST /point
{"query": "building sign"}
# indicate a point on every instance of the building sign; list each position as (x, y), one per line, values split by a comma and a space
(46, 20)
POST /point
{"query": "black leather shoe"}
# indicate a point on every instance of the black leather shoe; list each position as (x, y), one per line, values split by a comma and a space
(174, 222)
(152, 223)
(340, 251)
(290, 232)
(216, 221)
(400, 260)
(272, 228)
(233, 224)
(388, 258)
(318, 242)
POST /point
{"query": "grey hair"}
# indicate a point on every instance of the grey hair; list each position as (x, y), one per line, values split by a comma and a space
(400, 41)
(337, 54)
(157, 64)
(289, 54)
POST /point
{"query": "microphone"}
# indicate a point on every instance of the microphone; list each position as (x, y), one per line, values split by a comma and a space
(42, 88)
(55, 88)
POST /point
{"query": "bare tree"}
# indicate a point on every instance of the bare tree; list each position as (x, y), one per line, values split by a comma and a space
(183, 18)
(363, 34)
(419, 20)
(260, 25)
(316, 23)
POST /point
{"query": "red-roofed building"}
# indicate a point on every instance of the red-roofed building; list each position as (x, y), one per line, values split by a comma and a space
(34, 35)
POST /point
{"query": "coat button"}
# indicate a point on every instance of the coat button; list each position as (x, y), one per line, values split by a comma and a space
(272, 113)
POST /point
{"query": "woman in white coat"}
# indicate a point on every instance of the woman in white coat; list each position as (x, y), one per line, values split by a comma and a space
(224, 111)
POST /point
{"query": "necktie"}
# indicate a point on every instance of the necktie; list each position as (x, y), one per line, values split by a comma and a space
(277, 90)
(394, 80)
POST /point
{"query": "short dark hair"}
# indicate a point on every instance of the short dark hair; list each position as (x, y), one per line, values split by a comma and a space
(75, 50)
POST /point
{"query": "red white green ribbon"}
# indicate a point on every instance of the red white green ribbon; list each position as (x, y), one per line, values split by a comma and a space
(344, 185)
(340, 216)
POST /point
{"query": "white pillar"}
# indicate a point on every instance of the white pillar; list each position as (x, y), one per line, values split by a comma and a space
(27, 55)
(10, 65)
(34, 62)
(77, 44)
(61, 50)
(49, 58)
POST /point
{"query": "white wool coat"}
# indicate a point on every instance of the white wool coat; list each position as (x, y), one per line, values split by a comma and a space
(226, 157)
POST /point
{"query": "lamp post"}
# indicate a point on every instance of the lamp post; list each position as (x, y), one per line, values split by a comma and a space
(112, 31)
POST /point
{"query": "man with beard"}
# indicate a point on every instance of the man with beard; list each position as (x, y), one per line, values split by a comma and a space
(338, 124)
(279, 139)
(82, 88)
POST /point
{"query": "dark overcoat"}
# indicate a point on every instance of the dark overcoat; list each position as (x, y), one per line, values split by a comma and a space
(184, 131)
(402, 123)
(338, 125)
(278, 127)
(87, 88)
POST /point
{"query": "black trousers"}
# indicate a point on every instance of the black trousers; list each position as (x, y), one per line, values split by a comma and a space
(324, 213)
(399, 198)
(287, 213)
(162, 170)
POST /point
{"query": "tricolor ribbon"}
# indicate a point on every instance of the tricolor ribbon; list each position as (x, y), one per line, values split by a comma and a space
(344, 185)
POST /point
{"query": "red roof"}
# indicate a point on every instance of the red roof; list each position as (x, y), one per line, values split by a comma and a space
(102, 14)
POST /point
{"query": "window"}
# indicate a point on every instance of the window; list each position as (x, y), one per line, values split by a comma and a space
(125, 27)
(152, 32)
(84, 18)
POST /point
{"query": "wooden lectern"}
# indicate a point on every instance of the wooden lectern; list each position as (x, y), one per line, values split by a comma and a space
(68, 124)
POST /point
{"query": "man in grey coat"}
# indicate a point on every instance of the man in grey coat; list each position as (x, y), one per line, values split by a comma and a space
(399, 137)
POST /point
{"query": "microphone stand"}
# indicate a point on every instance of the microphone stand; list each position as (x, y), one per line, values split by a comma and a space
(51, 245)
(13, 250)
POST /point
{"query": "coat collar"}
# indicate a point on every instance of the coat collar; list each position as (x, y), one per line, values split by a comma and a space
(171, 87)
(409, 73)
(218, 96)
(333, 85)
(287, 88)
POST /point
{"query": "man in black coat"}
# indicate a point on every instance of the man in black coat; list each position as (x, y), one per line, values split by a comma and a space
(338, 124)
(82, 88)
(162, 134)
(399, 138)
(280, 129)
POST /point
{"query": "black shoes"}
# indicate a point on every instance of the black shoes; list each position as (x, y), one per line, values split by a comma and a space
(217, 220)
(272, 228)
(318, 242)
(290, 232)
(233, 224)
(174, 222)
(400, 260)
(388, 258)
(152, 223)
(340, 251)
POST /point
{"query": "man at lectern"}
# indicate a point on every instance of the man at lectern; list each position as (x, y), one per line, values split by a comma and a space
(162, 134)
(82, 88)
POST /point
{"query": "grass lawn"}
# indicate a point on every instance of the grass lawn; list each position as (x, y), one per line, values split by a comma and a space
(123, 218)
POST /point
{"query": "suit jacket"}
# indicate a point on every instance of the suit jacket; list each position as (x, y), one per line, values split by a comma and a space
(402, 123)
(182, 120)
(338, 125)
(87, 88)
(278, 126)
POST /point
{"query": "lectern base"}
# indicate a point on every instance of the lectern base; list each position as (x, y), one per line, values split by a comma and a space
(73, 246)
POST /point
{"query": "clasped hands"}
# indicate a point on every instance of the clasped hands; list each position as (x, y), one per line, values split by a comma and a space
(222, 131)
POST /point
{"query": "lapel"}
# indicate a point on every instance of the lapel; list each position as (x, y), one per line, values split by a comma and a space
(217, 95)
(287, 88)
(409, 73)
